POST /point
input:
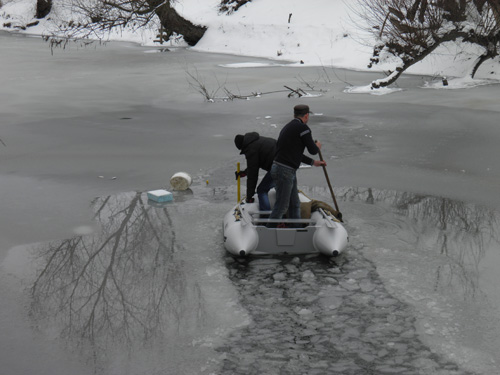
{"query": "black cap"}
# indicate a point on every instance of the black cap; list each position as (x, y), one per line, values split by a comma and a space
(301, 110)
(238, 141)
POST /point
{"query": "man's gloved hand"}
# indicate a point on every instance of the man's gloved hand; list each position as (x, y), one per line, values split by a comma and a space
(250, 200)
(241, 174)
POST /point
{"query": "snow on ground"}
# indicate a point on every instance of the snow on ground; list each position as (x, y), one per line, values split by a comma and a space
(368, 90)
(290, 32)
(457, 83)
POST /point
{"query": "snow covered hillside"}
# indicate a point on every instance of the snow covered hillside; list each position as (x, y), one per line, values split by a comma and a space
(326, 34)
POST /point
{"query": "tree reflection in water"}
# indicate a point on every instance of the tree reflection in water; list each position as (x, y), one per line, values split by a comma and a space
(124, 283)
(461, 232)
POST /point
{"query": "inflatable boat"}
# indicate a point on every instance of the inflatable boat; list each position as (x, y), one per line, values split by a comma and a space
(318, 230)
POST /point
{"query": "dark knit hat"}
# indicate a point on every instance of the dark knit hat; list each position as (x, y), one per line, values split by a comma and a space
(301, 110)
(238, 141)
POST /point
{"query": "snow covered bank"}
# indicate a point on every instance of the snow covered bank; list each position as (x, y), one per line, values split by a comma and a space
(328, 34)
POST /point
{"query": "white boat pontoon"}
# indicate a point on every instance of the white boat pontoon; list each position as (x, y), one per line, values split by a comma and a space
(318, 231)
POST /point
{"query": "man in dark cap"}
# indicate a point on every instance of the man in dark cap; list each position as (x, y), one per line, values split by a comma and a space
(293, 139)
(259, 152)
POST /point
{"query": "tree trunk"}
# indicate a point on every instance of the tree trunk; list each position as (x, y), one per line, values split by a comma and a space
(174, 23)
(479, 62)
(43, 8)
(453, 35)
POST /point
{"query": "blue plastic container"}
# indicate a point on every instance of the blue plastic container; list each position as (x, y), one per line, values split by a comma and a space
(160, 196)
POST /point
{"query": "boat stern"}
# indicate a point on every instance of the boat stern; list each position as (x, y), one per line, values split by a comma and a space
(330, 240)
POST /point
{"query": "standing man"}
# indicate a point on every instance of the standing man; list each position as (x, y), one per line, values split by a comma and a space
(259, 153)
(294, 138)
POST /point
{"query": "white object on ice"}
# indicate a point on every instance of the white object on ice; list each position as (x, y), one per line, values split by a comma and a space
(160, 196)
(246, 233)
(180, 181)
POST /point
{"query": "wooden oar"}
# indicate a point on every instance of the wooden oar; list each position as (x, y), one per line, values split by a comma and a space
(239, 181)
(331, 190)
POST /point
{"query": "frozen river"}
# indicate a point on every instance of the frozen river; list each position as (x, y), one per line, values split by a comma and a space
(94, 279)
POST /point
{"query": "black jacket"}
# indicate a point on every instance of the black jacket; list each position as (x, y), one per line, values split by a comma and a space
(259, 153)
(294, 138)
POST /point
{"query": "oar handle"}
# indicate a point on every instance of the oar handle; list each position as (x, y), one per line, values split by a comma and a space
(330, 185)
(239, 181)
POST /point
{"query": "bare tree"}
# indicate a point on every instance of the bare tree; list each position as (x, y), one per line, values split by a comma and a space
(124, 283)
(411, 30)
(93, 18)
(486, 17)
(462, 231)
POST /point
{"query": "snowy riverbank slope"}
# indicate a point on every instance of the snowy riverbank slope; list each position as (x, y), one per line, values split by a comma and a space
(328, 34)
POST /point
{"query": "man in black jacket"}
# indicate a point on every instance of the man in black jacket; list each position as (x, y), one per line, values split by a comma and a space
(259, 152)
(294, 138)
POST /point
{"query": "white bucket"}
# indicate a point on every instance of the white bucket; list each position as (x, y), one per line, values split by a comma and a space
(180, 181)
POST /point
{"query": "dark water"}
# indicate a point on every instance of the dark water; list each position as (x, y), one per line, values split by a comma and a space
(151, 290)
(317, 316)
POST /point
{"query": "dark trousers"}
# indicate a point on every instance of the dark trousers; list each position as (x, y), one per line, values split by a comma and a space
(265, 185)
(287, 194)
